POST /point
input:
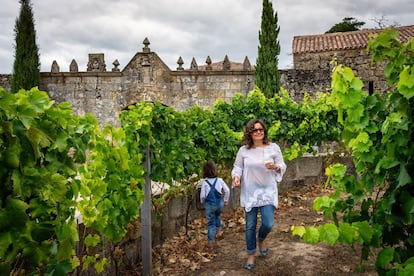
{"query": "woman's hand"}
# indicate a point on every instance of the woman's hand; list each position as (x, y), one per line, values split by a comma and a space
(272, 166)
(236, 181)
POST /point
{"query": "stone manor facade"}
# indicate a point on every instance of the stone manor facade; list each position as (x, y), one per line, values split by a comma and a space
(146, 77)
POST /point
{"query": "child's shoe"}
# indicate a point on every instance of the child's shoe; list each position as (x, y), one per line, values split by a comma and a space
(219, 235)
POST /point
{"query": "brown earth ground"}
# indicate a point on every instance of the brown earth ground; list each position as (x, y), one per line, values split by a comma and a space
(188, 254)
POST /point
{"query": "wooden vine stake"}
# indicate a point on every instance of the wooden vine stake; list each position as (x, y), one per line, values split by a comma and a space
(146, 242)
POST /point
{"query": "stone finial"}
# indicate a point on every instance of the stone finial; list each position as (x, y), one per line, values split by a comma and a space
(180, 63)
(193, 65)
(246, 64)
(208, 62)
(96, 63)
(73, 67)
(226, 63)
(146, 49)
(115, 64)
(145, 60)
(55, 67)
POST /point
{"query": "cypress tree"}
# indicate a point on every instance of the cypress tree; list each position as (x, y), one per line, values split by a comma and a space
(26, 67)
(266, 72)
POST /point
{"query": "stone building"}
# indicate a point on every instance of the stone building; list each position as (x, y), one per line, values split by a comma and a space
(313, 52)
(146, 77)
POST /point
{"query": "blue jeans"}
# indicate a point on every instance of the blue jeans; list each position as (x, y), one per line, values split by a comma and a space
(268, 219)
(213, 214)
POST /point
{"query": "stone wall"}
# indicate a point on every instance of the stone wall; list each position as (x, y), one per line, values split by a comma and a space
(298, 82)
(146, 77)
(98, 93)
(359, 60)
(5, 82)
(106, 94)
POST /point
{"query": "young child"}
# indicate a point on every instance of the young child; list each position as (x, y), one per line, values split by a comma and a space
(212, 188)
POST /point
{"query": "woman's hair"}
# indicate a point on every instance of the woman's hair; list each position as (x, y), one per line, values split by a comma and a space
(210, 170)
(247, 136)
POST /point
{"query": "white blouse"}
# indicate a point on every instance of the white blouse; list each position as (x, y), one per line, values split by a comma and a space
(258, 184)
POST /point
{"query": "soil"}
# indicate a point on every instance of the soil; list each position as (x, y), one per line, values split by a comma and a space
(188, 253)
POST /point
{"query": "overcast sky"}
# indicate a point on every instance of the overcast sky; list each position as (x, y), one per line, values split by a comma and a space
(67, 30)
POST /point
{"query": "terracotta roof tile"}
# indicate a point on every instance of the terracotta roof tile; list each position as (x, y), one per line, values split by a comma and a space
(342, 41)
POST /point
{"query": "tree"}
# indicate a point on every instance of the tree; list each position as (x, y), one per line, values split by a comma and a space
(26, 67)
(382, 22)
(266, 72)
(348, 24)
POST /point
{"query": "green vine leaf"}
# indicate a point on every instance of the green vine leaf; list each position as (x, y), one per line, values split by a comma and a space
(311, 235)
(404, 177)
(92, 240)
(347, 233)
(385, 257)
(298, 230)
(365, 230)
(328, 233)
(406, 84)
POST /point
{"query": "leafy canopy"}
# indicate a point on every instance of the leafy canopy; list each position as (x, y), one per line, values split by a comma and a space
(348, 24)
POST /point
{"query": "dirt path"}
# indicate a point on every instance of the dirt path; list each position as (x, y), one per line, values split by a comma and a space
(189, 255)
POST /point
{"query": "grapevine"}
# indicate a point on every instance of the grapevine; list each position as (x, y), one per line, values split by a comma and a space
(378, 206)
(54, 163)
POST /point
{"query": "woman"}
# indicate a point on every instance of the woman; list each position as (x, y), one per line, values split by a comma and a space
(258, 167)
